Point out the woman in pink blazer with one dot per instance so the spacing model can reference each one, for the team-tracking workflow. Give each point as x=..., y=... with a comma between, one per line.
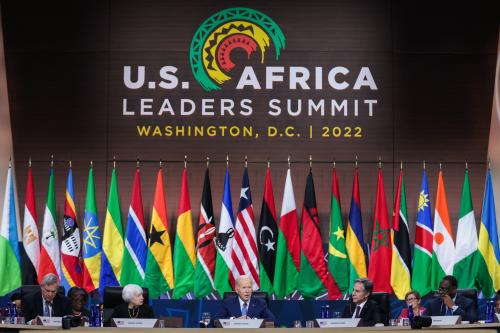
x=412, y=298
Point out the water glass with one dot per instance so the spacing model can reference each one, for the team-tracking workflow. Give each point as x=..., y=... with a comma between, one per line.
x=161, y=323
x=297, y=324
x=205, y=318
x=406, y=322
x=336, y=315
x=393, y=322
x=310, y=323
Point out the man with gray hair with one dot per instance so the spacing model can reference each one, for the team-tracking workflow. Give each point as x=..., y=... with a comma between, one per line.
x=46, y=301
x=360, y=306
x=244, y=306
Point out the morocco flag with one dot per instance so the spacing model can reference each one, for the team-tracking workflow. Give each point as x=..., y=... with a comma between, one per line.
x=379, y=270
x=314, y=278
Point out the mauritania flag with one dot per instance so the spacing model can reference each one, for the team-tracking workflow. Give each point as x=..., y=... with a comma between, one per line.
x=286, y=272
x=71, y=270
x=267, y=237
x=489, y=259
x=354, y=236
x=338, y=263
x=401, y=253
x=136, y=248
x=205, y=248
x=159, y=269
x=92, y=247
x=10, y=258
x=443, y=249
x=466, y=260
x=422, y=254
x=30, y=252
x=224, y=242
x=112, y=240
x=184, y=249
x=314, y=277
x=50, y=258
x=245, y=255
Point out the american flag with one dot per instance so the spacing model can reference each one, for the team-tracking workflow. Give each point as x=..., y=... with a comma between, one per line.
x=245, y=255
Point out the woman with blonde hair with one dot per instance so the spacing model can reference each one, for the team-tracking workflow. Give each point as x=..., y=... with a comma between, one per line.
x=412, y=299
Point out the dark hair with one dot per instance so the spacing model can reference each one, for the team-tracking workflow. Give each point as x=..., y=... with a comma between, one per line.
x=15, y=297
x=413, y=292
x=453, y=280
x=367, y=284
x=497, y=295
x=78, y=291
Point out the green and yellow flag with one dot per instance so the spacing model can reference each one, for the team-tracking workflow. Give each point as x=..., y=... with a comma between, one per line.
x=184, y=250
x=159, y=271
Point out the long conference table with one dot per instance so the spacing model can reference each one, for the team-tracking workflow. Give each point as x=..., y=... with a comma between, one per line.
x=472, y=328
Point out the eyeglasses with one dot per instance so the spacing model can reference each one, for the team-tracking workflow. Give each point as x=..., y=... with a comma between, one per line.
x=409, y=299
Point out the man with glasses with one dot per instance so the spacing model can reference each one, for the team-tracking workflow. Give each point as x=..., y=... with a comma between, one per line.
x=450, y=304
x=46, y=302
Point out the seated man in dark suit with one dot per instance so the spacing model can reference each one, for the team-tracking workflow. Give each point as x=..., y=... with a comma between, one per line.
x=361, y=306
x=244, y=306
x=451, y=304
x=46, y=302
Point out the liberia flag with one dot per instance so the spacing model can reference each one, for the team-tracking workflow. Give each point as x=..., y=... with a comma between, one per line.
x=245, y=255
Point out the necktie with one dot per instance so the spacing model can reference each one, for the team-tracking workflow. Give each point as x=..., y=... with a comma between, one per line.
x=244, y=309
x=46, y=309
x=358, y=310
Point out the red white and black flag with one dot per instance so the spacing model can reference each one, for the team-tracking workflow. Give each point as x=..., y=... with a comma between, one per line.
x=205, y=247
x=267, y=237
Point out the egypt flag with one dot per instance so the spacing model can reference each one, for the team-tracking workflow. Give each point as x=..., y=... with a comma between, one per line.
x=30, y=251
x=245, y=255
x=443, y=248
x=268, y=237
x=422, y=254
x=92, y=246
x=159, y=269
x=354, y=241
x=50, y=258
x=205, y=248
x=314, y=279
x=184, y=250
x=71, y=270
x=401, y=253
x=136, y=248
x=379, y=270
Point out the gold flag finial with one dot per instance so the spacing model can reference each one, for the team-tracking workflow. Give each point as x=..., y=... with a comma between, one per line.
x=185, y=161
x=208, y=161
x=114, y=161
x=29, y=161
x=288, y=161
x=52, y=161
x=380, y=162
x=227, y=160
x=356, y=161
x=246, y=161
x=310, y=161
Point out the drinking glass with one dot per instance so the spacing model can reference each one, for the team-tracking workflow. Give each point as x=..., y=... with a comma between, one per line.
x=297, y=324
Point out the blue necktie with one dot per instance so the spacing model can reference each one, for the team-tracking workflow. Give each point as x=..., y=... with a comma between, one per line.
x=244, y=309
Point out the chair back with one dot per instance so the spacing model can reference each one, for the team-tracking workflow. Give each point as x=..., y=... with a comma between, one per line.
x=382, y=299
x=258, y=294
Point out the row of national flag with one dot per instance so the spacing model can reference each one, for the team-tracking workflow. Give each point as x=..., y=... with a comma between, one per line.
x=284, y=256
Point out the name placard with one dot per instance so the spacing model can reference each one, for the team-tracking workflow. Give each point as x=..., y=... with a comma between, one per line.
x=445, y=320
x=338, y=322
x=241, y=323
x=135, y=322
x=49, y=321
x=497, y=317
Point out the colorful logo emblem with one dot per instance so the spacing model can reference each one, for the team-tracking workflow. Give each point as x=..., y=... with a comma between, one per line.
x=219, y=35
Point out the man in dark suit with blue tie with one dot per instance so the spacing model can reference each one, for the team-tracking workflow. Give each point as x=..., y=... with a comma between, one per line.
x=450, y=304
x=244, y=306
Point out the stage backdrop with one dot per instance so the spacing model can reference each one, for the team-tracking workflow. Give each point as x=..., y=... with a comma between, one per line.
x=90, y=80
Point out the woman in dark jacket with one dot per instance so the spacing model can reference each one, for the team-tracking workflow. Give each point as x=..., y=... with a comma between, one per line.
x=134, y=306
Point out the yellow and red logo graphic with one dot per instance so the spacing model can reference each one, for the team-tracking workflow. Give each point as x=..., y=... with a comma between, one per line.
x=225, y=31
